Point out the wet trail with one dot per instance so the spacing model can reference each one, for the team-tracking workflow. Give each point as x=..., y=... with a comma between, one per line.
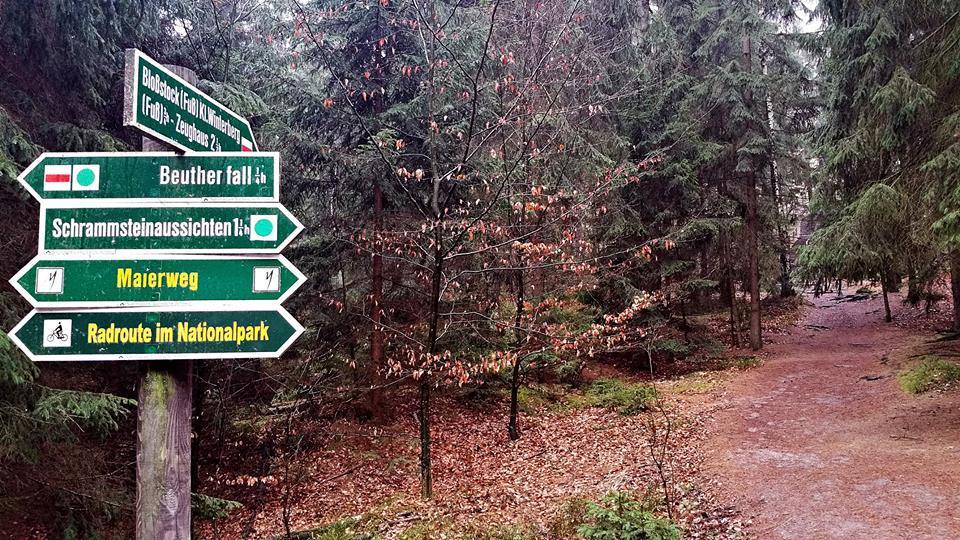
x=820, y=442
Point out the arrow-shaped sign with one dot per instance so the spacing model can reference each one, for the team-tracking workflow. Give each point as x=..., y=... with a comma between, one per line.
x=149, y=333
x=140, y=176
x=80, y=280
x=185, y=228
x=176, y=112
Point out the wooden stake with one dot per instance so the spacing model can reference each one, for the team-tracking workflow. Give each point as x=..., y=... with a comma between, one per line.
x=164, y=409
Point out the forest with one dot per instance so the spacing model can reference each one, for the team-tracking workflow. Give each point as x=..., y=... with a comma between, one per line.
x=546, y=242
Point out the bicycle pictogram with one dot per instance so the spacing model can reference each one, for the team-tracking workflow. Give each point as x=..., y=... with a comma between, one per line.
x=58, y=334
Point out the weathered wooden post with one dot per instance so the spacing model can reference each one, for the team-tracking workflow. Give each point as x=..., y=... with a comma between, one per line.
x=164, y=409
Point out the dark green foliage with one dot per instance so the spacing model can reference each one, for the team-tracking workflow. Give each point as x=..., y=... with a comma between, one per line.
x=620, y=517
x=626, y=398
x=207, y=507
x=886, y=198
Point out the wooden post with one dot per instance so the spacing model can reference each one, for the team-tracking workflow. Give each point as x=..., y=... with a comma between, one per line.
x=164, y=409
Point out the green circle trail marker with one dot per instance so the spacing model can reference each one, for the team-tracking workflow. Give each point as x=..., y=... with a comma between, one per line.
x=86, y=177
x=263, y=227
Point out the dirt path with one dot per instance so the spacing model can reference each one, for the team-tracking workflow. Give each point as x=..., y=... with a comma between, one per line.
x=810, y=448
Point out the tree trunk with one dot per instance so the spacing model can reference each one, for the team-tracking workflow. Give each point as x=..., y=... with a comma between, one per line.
x=753, y=263
x=375, y=397
x=914, y=287
x=955, y=286
x=886, y=301
x=513, y=428
x=729, y=292
x=786, y=287
x=423, y=414
x=752, y=209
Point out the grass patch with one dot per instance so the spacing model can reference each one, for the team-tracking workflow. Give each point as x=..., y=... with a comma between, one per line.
x=746, y=362
x=442, y=530
x=626, y=397
x=697, y=384
x=931, y=373
x=538, y=397
x=338, y=530
x=498, y=532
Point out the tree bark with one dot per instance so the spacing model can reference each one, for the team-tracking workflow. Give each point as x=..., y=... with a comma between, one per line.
x=729, y=292
x=886, y=301
x=423, y=414
x=955, y=286
x=752, y=209
x=884, y=287
x=786, y=286
x=753, y=263
x=513, y=428
x=375, y=397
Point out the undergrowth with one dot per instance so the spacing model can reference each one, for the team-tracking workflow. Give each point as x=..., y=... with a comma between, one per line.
x=621, y=517
x=626, y=397
x=931, y=373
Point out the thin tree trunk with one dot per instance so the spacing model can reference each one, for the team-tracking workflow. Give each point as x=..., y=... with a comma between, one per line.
x=955, y=286
x=753, y=263
x=752, y=209
x=914, y=287
x=886, y=301
x=423, y=414
x=513, y=428
x=786, y=287
x=375, y=397
x=730, y=291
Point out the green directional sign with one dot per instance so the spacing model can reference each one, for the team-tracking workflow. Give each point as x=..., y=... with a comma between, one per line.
x=185, y=228
x=174, y=111
x=137, y=176
x=156, y=333
x=76, y=280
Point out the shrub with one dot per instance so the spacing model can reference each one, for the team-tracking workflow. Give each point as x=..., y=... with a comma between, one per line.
x=207, y=507
x=672, y=347
x=929, y=374
x=570, y=372
x=536, y=397
x=620, y=517
x=627, y=398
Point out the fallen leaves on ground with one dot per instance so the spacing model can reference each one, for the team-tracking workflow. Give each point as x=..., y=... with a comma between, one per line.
x=481, y=478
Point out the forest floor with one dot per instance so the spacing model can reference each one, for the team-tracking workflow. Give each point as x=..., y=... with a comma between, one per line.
x=820, y=442
x=813, y=438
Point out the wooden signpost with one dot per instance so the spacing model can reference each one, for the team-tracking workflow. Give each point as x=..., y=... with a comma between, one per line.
x=133, y=265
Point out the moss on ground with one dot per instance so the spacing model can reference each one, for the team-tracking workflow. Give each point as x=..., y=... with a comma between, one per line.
x=625, y=397
x=932, y=373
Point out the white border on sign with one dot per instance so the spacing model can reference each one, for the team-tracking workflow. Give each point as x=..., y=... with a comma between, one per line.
x=151, y=203
x=131, y=96
x=22, y=178
x=52, y=303
x=240, y=306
